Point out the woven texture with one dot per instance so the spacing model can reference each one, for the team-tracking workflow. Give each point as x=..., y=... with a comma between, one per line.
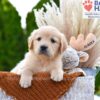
x=43, y=88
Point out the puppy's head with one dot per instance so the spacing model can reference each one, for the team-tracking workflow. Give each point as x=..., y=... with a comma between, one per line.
x=47, y=41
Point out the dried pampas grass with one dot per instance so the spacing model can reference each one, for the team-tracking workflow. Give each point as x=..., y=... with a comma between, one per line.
x=69, y=20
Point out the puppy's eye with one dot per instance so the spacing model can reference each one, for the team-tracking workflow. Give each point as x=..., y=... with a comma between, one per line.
x=39, y=38
x=53, y=41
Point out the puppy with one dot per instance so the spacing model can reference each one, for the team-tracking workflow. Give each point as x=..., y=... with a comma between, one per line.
x=46, y=46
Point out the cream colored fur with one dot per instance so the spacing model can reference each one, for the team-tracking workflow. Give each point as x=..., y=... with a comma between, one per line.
x=49, y=61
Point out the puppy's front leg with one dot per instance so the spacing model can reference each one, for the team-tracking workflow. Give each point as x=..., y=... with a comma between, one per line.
x=26, y=78
x=57, y=75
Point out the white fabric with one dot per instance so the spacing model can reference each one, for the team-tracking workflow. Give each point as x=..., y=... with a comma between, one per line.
x=4, y=96
x=82, y=89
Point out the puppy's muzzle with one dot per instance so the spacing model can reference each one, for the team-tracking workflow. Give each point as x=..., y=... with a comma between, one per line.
x=44, y=50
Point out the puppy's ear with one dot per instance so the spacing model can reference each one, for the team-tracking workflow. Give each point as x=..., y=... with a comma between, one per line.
x=83, y=56
x=63, y=45
x=31, y=40
x=30, y=43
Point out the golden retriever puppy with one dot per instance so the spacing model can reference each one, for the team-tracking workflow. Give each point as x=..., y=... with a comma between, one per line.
x=46, y=46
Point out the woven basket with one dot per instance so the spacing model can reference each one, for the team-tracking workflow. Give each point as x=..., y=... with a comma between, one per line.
x=43, y=88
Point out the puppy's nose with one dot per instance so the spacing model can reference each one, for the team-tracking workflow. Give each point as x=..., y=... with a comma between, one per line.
x=43, y=48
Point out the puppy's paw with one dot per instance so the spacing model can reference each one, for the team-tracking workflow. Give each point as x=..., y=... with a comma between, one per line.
x=57, y=75
x=25, y=82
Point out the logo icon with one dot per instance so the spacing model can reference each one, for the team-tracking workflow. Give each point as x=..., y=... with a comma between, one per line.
x=88, y=5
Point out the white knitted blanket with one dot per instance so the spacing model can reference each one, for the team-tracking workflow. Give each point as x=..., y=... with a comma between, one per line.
x=83, y=88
